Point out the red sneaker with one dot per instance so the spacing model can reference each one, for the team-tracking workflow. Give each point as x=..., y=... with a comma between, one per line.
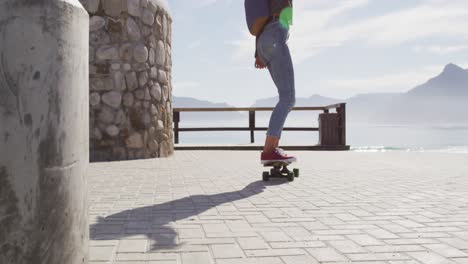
x=277, y=155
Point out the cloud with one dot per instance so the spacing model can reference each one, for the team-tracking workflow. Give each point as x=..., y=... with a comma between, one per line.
x=440, y=50
x=321, y=25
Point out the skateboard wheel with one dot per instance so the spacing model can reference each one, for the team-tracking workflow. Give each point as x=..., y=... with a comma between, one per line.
x=290, y=177
x=266, y=176
x=296, y=172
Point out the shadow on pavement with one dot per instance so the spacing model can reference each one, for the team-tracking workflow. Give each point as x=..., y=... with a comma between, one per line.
x=155, y=221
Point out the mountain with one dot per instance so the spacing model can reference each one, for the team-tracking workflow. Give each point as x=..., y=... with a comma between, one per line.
x=441, y=100
x=453, y=81
x=189, y=102
x=314, y=100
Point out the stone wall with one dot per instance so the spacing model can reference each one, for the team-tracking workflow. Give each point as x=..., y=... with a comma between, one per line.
x=130, y=79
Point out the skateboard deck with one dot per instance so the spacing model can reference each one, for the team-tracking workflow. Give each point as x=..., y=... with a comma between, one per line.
x=280, y=170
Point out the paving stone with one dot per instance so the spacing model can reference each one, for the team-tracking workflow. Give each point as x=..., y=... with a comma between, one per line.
x=275, y=236
x=299, y=260
x=252, y=243
x=297, y=244
x=397, y=248
x=377, y=256
x=326, y=254
x=274, y=252
x=365, y=240
x=101, y=253
x=263, y=260
x=130, y=245
x=226, y=251
x=197, y=258
x=346, y=246
x=446, y=251
x=430, y=258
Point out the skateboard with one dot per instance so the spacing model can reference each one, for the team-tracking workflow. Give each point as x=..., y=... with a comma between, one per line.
x=280, y=170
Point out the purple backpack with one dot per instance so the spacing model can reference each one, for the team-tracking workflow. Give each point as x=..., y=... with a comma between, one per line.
x=257, y=13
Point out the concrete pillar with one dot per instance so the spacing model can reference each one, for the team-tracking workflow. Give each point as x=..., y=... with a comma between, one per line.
x=44, y=131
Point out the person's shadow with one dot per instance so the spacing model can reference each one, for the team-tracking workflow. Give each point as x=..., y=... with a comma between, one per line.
x=155, y=221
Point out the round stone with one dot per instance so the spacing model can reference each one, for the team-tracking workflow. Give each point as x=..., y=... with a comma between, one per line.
x=153, y=6
x=112, y=7
x=96, y=23
x=148, y=17
x=155, y=92
x=160, y=53
x=140, y=94
x=94, y=99
x=165, y=91
x=106, y=115
x=112, y=98
x=153, y=73
x=133, y=30
x=119, y=81
x=146, y=31
x=133, y=7
x=92, y=6
x=153, y=145
x=115, y=66
x=128, y=99
x=164, y=27
x=160, y=125
x=127, y=67
x=107, y=53
x=147, y=95
x=120, y=117
x=162, y=77
x=154, y=110
x=151, y=57
x=164, y=149
x=131, y=79
x=142, y=78
x=96, y=134
x=146, y=119
x=135, y=140
x=112, y=130
x=140, y=53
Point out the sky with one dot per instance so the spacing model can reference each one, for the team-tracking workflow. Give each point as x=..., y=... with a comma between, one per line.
x=340, y=48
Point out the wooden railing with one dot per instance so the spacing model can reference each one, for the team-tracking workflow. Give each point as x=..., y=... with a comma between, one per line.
x=338, y=126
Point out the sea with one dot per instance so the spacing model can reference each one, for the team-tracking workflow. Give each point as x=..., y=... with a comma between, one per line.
x=362, y=137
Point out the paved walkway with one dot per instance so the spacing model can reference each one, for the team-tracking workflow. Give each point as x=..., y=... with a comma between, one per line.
x=212, y=207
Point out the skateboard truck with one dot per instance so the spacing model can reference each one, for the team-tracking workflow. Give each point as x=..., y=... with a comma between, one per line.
x=280, y=170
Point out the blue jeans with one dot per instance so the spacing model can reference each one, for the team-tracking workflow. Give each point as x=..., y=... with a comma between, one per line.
x=274, y=52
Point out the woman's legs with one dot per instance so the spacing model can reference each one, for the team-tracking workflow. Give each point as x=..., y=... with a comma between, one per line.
x=275, y=52
x=282, y=73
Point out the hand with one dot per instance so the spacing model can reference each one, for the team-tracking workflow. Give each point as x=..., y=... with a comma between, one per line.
x=259, y=63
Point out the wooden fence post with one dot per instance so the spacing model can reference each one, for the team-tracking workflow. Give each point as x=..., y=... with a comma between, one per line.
x=252, y=126
x=342, y=123
x=176, y=126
